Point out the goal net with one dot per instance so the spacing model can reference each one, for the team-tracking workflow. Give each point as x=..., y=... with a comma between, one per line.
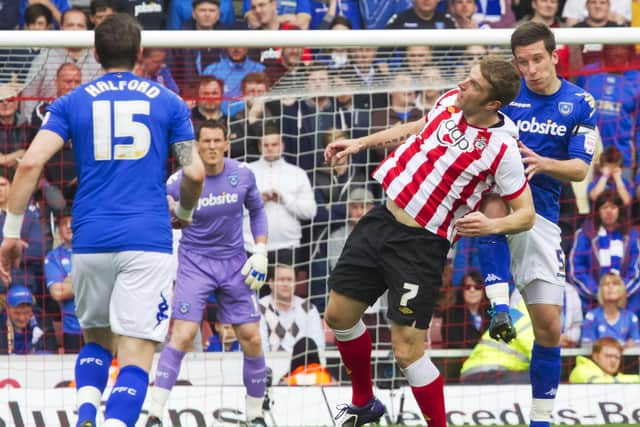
x=309, y=88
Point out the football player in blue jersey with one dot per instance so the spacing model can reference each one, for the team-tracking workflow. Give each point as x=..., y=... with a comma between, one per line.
x=122, y=128
x=557, y=126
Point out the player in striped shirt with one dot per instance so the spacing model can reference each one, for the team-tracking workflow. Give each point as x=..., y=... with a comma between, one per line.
x=434, y=181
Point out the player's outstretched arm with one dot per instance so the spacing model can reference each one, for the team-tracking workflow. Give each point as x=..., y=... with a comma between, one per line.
x=191, y=185
x=44, y=146
x=388, y=138
x=565, y=170
x=521, y=218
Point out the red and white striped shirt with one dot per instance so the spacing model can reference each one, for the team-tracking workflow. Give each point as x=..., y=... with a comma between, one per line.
x=441, y=174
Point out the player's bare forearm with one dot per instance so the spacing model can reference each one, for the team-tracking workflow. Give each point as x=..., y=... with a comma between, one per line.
x=522, y=216
x=192, y=173
x=567, y=170
x=392, y=137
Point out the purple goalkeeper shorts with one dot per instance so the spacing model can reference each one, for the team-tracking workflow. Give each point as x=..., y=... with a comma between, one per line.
x=198, y=276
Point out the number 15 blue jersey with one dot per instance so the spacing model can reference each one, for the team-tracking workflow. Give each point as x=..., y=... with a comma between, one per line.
x=121, y=127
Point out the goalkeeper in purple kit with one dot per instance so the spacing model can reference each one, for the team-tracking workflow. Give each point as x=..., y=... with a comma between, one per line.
x=211, y=258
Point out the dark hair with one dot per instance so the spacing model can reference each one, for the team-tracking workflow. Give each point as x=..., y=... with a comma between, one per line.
x=503, y=78
x=611, y=155
x=611, y=196
x=7, y=172
x=530, y=33
x=341, y=20
x=270, y=129
x=305, y=352
x=206, y=79
x=71, y=10
x=194, y=3
x=117, y=41
x=99, y=5
x=211, y=124
x=35, y=11
x=147, y=51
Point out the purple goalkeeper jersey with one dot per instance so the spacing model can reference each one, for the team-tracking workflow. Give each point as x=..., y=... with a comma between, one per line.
x=216, y=231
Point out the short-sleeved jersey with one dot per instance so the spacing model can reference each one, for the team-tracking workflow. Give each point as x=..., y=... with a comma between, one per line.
x=560, y=126
x=440, y=174
x=121, y=127
x=216, y=231
x=597, y=326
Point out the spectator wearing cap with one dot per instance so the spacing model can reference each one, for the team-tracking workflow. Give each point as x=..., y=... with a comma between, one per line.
x=326, y=253
x=182, y=13
x=22, y=329
x=57, y=268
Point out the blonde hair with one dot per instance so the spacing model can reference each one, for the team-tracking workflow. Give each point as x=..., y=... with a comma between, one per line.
x=616, y=279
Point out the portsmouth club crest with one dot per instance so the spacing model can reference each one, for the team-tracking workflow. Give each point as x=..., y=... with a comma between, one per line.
x=565, y=108
x=233, y=180
x=184, y=307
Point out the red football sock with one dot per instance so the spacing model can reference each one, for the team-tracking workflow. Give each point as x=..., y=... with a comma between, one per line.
x=430, y=399
x=356, y=356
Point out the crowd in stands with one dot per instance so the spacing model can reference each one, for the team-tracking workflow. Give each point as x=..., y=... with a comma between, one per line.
x=312, y=207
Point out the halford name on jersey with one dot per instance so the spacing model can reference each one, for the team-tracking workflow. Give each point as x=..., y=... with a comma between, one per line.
x=95, y=89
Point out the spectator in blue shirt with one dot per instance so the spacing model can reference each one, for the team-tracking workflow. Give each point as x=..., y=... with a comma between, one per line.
x=183, y=11
x=323, y=13
x=22, y=329
x=231, y=69
x=57, y=267
x=377, y=13
x=606, y=244
x=611, y=318
x=223, y=338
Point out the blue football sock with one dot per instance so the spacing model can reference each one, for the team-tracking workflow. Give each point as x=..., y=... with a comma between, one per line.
x=545, y=377
x=127, y=395
x=495, y=261
x=92, y=374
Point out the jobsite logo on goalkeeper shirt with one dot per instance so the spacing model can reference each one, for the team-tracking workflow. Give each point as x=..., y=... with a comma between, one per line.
x=213, y=200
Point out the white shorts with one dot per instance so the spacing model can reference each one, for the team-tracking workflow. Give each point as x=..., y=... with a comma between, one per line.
x=538, y=264
x=129, y=291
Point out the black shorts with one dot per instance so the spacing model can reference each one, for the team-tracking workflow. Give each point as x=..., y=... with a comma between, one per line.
x=382, y=254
